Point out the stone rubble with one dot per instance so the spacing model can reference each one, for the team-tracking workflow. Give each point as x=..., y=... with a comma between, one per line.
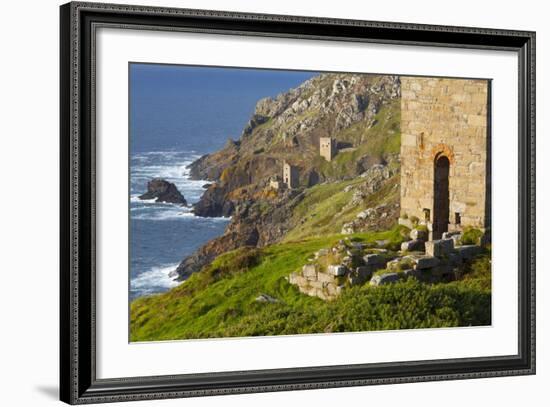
x=354, y=263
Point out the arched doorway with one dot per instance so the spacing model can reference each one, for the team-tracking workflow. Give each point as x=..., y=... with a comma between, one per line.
x=441, y=196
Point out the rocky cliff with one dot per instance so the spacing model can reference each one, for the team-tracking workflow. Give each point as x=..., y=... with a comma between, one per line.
x=361, y=112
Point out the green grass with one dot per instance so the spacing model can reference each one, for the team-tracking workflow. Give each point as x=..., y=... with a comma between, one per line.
x=220, y=300
x=378, y=141
x=323, y=209
x=320, y=211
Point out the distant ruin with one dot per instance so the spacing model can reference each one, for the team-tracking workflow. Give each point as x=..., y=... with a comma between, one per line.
x=327, y=148
x=274, y=183
x=290, y=176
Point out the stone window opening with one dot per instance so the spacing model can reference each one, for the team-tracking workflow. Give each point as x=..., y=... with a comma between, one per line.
x=421, y=141
x=426, y=212
x=457, y=218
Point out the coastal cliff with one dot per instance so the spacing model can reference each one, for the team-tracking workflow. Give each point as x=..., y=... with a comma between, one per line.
x=315, y=241
x=359, y=112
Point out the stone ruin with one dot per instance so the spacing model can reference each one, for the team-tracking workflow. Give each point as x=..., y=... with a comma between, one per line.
x=327, y=148
x=445, y=153
x=291, y=176
x=350, y=263
x=289, y=180
x=445, y=188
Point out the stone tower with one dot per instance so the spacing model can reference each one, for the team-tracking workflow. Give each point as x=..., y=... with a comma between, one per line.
x=445, y=153
x=290, y=176
x=327, y=148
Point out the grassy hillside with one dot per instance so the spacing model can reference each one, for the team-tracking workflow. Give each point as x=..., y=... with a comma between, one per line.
x=377, y=142
x=323, y=209
x=220, y=300
x=360, y=112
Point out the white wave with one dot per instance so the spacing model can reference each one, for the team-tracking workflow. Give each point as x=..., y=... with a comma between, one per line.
x=168, y=165
x=177, y=173
x=164, y=153
x=163, y=215
x=157, y=206
x=136, y=199
x=152, y=203
x=157, y=277
x=174, y=213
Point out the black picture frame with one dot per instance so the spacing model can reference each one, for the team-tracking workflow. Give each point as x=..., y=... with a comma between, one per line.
x=78, y=382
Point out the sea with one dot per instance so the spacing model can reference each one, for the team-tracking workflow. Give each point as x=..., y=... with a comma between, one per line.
x=177, y=114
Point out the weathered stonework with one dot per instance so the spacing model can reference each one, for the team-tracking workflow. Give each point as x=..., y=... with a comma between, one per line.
x=327, y=277
x=274, y=184
x=291, y=176
x=327, y=148
x=445, y=151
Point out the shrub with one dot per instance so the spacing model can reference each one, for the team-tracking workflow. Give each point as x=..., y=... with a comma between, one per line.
x=234, y=262
x=471, y=235
x=478, y=272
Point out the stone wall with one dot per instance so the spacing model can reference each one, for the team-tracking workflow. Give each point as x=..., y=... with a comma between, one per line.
x=291, y=176
x=446, y=117
x=327, y=148
x=349, y=263
x=328, y=282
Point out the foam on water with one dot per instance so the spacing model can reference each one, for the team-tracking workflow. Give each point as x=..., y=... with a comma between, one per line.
x=169, y=165
x=155, y=242
x=154, y=280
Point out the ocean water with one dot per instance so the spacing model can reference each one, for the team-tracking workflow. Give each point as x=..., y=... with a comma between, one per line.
x=177, y=114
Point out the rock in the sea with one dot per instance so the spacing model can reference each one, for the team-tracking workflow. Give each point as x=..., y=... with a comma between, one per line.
x=163, y=191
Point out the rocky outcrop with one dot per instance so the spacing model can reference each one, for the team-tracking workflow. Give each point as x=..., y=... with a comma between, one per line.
x=163, y=191
x=253, y=223
x=213, y=203
x=230, y=240
x=289, y=126
x=288, y=129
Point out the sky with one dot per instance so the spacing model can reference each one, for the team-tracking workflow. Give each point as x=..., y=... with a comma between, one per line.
x=197, y=108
